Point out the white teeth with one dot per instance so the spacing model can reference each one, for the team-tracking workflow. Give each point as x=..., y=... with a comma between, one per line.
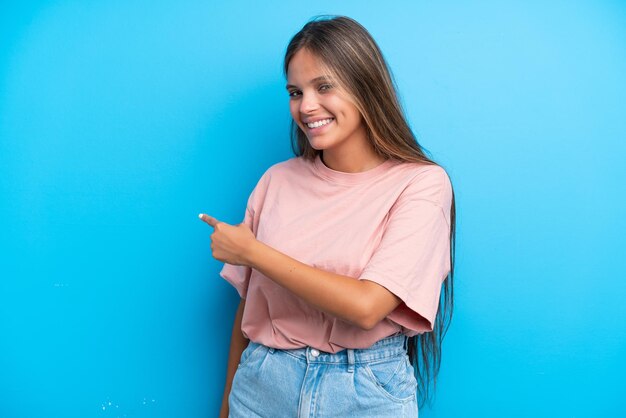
x=319, y=123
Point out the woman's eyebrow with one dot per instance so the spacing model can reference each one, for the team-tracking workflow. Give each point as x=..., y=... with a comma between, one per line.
x=315, y=80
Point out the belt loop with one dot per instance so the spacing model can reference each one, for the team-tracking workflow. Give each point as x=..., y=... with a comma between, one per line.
x=350, y=360
x=406, y=342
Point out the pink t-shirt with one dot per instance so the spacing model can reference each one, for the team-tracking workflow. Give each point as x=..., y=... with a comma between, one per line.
x=389, y=224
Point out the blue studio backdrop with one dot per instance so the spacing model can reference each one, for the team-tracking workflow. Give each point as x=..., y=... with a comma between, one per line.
x=120, y=121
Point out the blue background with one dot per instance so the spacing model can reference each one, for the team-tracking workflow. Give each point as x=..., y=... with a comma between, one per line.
x=120, y=121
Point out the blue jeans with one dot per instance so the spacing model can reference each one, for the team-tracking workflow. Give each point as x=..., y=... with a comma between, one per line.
x=307, y=383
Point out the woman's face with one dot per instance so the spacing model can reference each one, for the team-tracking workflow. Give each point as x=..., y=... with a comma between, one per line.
x=327, y=118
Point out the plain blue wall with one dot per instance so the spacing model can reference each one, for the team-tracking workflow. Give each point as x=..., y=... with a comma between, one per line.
x=120, y=121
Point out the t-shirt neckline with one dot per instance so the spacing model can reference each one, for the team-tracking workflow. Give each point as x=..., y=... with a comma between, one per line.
x=350, y=178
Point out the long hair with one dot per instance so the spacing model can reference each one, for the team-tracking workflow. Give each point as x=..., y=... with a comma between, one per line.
x=351, y=57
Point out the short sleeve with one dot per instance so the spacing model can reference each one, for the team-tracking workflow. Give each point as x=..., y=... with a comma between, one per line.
x=239, y=276
x=413, y=257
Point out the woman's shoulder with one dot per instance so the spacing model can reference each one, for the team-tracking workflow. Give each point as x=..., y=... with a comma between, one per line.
x=427, y=182
x=423, y=172
x=288, y=167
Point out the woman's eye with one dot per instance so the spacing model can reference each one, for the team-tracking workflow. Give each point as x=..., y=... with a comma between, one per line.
x=292, y=93
x=328, y=86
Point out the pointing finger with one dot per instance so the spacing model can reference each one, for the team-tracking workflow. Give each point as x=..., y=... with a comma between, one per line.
x=208, y=219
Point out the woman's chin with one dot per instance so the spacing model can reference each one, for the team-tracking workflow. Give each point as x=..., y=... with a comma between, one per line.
x=317, y=145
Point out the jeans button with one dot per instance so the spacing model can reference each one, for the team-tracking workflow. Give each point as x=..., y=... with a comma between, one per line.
x=314, y=352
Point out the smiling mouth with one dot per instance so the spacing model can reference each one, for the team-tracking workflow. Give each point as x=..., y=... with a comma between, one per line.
x=319, y=123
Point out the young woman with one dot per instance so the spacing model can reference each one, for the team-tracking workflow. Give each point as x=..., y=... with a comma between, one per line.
x=344, y=249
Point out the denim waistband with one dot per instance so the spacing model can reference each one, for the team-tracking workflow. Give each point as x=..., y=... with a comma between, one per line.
x=391, y=346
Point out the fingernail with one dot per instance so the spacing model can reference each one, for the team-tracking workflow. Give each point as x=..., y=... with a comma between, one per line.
x=200, y=216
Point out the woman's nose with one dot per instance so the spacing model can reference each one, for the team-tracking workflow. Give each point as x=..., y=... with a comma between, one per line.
x=308, y=103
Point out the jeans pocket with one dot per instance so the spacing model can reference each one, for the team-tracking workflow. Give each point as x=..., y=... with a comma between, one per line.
x=248, y=353
x=393, y=377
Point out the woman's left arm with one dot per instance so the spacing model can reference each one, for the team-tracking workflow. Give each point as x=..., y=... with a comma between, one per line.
x=363, y=303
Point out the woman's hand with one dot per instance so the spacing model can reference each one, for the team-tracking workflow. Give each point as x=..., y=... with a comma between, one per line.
x=229, y=243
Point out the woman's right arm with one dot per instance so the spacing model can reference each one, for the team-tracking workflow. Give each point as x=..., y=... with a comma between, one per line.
x=238, y=343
